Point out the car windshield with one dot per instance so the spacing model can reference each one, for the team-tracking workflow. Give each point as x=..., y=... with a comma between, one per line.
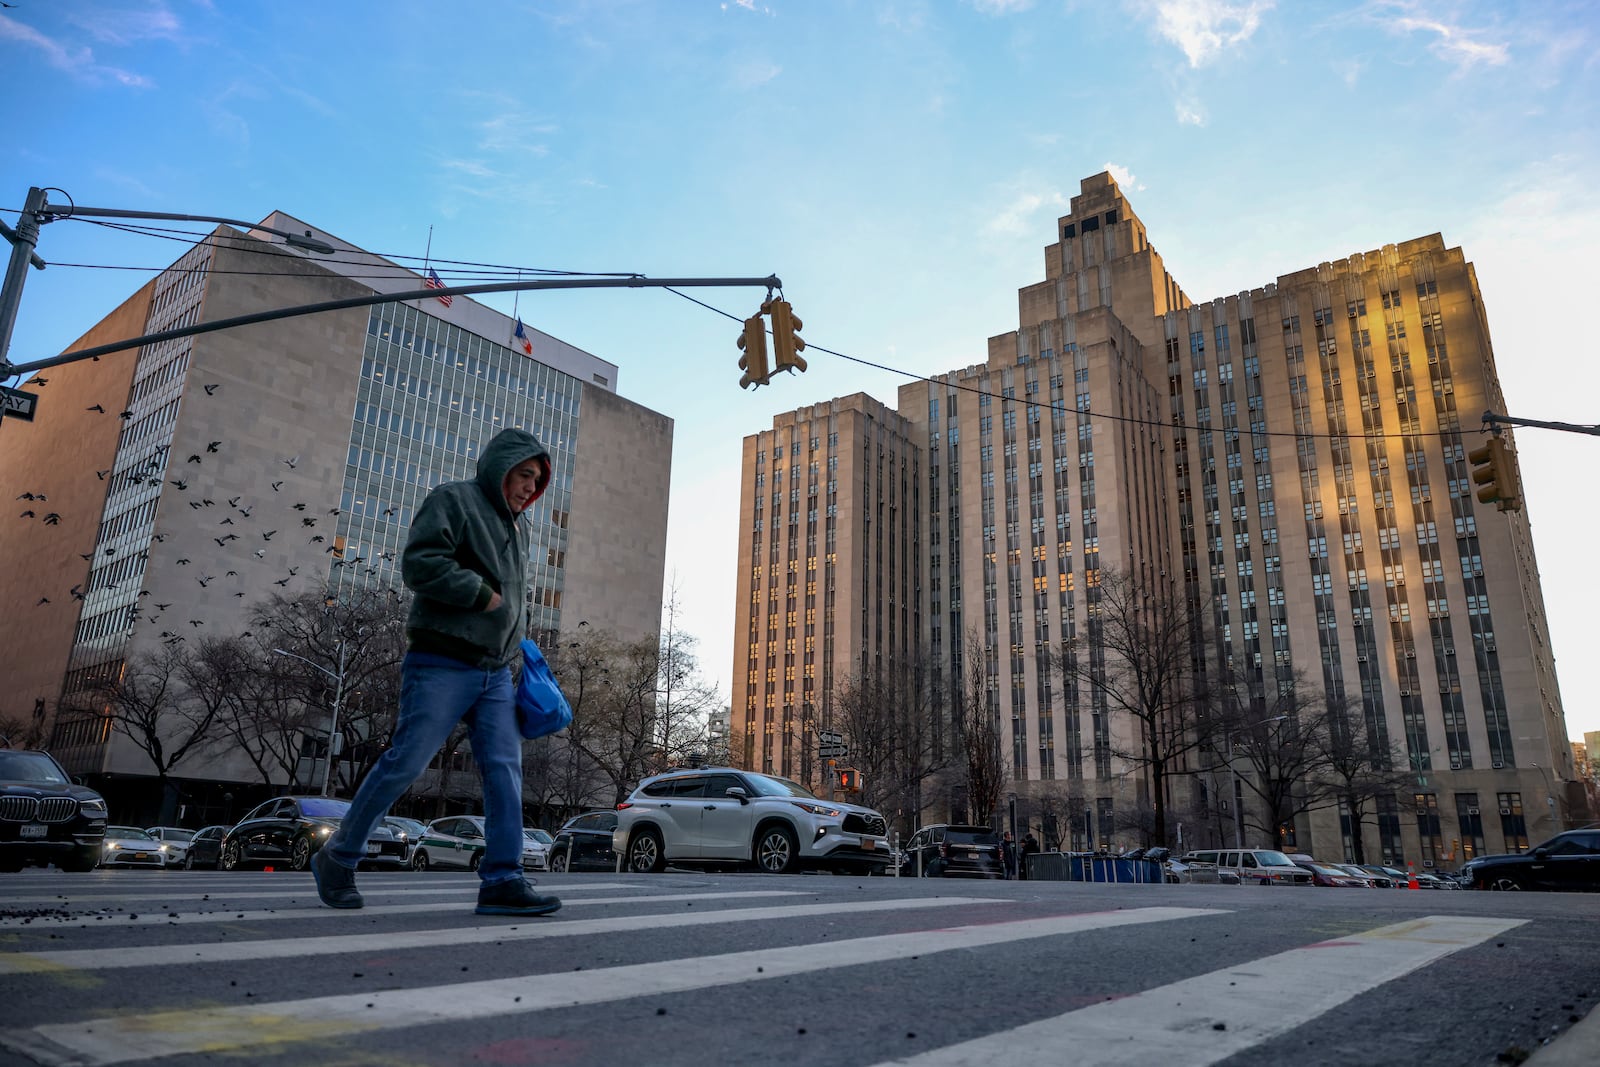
x=1273, y=859
x=971, y=836
x=29, y=767
x=541, y=836
x=129, y=831
x=173, y=834
x=766, y=785
x=323, y=808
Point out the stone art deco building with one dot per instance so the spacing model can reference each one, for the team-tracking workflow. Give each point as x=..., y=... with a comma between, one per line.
x=1294, y=455
x=309, y=439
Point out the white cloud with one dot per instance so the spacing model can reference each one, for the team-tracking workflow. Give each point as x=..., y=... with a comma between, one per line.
x=512, y=132
x=1016, y=218
x=754, y=73
x=1204, y=28
x=1126, y=180
x=471, y=167
x=120, y=26
x=78, y=62
x=1455, y=45
x=1190, y=112
x=1001, y=7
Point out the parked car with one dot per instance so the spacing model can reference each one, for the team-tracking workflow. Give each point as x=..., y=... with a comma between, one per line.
x=1252, y=866
x=408, y=830
x=540, y=840
x=205, y=848
x=45, y=817
x=457, y=841
x=943, y=850
x=717, y=816
x=1368, y=879
x=1397, y=878
x=1429, y=880
x=1568, y=863
x=584, y=843
x=177, y=841
x=1328, y=875
x=130, y=846
x=289, y=830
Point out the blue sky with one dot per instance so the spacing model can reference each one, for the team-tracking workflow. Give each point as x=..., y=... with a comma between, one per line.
x=899, y=164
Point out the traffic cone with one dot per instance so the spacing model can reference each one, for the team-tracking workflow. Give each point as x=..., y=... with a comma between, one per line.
x=1411, y=878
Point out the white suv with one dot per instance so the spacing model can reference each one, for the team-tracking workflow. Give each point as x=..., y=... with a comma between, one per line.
x=712, y=816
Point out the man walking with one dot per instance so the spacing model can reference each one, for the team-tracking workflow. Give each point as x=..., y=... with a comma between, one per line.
x=466, y=561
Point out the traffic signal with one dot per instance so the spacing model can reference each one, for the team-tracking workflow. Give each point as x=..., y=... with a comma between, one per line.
x=786, y=340
x=849, y=780
x=1492, y=468
x=753, y=343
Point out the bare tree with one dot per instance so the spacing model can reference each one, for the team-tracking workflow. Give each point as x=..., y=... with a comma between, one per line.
x=150, y=705
x=1280, y=737
x=611, y=686
x=19, y=730
x=1143, y=637
x=1357, y=771
x=266, y=717
x=980, y=736
x=889, y=720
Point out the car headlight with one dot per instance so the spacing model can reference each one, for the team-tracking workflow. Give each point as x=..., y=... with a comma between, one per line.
x=817, y=809
x=161, y=848
x=324, y=831
x=96, y=806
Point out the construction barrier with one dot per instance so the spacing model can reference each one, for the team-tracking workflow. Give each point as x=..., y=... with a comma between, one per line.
x=1074, y=867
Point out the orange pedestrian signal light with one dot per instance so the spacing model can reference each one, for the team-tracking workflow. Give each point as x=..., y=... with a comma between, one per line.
x=850, y=780
x=753, y=343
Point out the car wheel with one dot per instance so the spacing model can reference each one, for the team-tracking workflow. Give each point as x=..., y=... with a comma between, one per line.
x=645, y=852
x=777, y=851
x=558, y=863
x=81, y=860
x=232, y=856
x=1505, y=883
x=419, y=860
x=188, y=862
x=300, y=854
x=472, y=864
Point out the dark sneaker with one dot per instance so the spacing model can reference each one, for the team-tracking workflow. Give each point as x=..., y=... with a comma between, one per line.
x=336, y=883
x=515, y=897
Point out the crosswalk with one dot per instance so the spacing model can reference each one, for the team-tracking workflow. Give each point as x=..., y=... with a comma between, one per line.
x=798, y=931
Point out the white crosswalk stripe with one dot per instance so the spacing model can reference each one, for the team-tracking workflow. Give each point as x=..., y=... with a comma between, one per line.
x=126, y=1039
x=1199, y=1020
x=532, y=929
x=1178, y=1023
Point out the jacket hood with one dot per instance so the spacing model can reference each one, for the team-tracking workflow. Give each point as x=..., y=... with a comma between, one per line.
x=504, y=451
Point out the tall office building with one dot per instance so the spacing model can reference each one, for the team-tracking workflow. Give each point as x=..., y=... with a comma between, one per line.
x=190, y=479
x=1293, y=458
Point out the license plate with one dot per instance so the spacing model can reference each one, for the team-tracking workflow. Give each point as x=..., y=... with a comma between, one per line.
x=373, y=850
x=35, y=829
x=141, y=855
x=868, y=844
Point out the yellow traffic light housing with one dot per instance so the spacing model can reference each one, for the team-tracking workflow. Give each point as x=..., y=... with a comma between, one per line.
x=1495, y=471
x=849, y=780
x=786, y=340
x=753, y=343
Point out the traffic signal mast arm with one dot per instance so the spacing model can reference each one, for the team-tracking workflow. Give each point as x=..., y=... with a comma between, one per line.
x=1493, y=421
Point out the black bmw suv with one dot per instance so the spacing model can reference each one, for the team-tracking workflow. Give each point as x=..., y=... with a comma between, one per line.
x=46, y=818
x=1568, y=862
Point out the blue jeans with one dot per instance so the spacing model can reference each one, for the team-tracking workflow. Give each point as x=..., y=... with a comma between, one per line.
x=436, y=692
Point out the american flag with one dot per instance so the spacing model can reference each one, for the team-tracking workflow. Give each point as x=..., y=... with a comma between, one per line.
x=432, y=282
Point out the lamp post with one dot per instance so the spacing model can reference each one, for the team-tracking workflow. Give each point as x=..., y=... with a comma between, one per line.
x=338, y=696
x=1238, y=793
x=37, y=210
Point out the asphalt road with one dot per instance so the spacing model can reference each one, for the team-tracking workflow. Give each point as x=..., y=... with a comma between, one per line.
x=247, y=968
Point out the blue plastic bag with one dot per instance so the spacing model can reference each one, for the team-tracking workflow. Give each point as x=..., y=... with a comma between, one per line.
x=541, y=707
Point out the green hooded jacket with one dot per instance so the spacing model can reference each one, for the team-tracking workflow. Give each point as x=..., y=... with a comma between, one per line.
x=465, y=545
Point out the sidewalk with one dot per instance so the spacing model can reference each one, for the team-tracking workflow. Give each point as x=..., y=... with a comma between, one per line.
x=1578, y=1046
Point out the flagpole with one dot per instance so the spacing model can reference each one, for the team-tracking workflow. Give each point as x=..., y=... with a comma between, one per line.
x=427, y=253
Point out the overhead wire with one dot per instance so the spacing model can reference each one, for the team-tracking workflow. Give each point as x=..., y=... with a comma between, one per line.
x=493, y=270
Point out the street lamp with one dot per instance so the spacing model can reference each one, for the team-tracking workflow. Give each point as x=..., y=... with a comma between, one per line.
x=338, y=695
x=37, y=211
x=1238, y=794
